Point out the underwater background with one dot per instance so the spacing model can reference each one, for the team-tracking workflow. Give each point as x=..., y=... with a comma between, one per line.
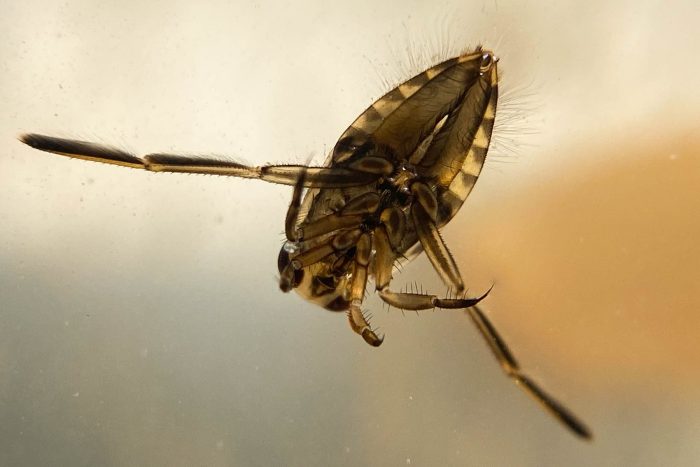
x=140, y=318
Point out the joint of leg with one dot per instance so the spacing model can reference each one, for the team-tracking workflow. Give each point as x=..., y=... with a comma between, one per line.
x=291, y=247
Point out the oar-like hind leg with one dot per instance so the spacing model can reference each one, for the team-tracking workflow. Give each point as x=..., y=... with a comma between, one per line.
x=314, y=177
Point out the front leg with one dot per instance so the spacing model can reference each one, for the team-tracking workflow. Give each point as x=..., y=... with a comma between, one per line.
x=358, y=284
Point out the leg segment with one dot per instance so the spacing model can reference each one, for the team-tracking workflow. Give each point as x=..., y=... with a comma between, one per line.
x=351, y=215
x=500, y=350
x=384, y=257
x=419, y=301
x=327, y=224
x=435, y=248
x=336, y=244
x=394, y=221
x=316, y=177
x=512, y=369
x=290, y=223
x=387, y=238
x=357, y=320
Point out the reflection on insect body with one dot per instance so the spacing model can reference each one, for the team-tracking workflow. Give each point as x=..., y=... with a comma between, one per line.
x=398, y=174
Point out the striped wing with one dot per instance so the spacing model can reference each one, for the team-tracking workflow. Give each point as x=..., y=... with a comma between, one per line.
x=440, y=121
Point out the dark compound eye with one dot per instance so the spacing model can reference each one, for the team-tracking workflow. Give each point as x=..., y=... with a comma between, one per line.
x=282, y=263
x=282, y=260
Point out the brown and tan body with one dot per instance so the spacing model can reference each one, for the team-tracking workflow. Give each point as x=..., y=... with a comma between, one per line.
x=427, y=140
x=400, y=172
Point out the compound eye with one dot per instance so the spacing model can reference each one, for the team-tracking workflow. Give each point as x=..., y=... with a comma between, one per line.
x=282, y=260
x=289, y=278
x=487, y=61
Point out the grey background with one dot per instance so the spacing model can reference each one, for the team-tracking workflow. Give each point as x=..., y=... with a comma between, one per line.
x=140, y=320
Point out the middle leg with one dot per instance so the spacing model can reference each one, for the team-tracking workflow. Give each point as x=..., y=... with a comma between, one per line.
x=500, y=350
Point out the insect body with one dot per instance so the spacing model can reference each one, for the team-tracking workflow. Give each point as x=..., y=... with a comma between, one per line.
x=400, y=172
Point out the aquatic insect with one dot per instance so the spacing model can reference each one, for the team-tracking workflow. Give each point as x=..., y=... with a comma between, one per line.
x=398, y=174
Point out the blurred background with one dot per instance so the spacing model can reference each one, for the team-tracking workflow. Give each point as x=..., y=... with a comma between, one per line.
x=140, y=319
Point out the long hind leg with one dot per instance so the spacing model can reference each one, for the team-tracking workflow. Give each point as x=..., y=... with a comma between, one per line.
x=316, y=177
